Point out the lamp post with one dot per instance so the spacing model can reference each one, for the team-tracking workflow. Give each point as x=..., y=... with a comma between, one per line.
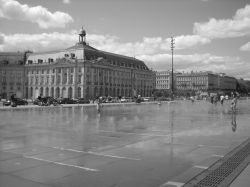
x=82, y=41
x=172, y=49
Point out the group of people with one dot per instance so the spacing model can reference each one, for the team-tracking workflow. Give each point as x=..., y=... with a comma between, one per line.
x=221, y=98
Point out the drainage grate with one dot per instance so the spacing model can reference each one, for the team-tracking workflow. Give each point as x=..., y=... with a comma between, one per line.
x=224, y=171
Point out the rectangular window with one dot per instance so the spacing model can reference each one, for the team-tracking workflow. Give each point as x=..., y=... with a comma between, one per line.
x=50, y=60
x=40, y=61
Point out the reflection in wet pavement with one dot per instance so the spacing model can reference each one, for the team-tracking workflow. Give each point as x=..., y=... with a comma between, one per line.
x=124, y=145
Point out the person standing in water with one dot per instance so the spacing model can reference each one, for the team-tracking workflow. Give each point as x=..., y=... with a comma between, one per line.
x=234, y=103
x=99, y=103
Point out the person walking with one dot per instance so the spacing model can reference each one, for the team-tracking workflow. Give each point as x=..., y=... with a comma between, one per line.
x=99, y=104
x=222, y=99
x=234, y=103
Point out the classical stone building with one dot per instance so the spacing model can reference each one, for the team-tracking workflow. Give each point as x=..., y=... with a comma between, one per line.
x=82, y=71
x=204, y=82
x=12, y=74
x=164, y=80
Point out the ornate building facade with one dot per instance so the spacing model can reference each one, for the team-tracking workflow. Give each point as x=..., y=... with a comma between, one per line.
x=82, y=71
x=164, y=80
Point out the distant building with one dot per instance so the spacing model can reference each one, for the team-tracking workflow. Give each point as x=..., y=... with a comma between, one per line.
x=12, y=74
x=164, y=80
x=198, y=82
x=82, y=71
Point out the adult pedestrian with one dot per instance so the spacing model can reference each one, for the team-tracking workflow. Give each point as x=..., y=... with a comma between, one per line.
x=222, y=99
x=234, y=103
x=99, y=104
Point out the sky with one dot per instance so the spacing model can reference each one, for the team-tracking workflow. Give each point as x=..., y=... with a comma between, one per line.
x=210, y=35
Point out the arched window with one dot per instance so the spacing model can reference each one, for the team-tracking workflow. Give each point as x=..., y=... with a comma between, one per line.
x=79, y=90
x=41, y=91
x=70, y=92
x=64, y=92
x=47, y=91
x=57, y=92
x=31, y=92
x=52, y=92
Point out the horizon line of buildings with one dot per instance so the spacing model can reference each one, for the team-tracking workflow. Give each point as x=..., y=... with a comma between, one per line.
x=190, y=83
x=82, y=71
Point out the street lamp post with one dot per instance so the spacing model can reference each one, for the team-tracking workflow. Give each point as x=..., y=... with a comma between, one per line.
x=82, y=40
x=172, y=49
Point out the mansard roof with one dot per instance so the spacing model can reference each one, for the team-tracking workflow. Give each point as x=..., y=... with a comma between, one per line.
x=80, y=46
x=91, y=51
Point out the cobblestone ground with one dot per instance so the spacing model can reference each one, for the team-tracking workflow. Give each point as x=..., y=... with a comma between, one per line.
x=126, y=145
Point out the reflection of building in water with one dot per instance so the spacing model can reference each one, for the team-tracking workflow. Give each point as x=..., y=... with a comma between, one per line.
x=233, y=122
x=86, y=72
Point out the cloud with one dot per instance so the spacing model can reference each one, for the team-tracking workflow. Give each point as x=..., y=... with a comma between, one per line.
x=233, y=66
x=245, y=47
x=187, y=41
x=11, y=9
x=154, y=51
x=38, y=42
x=148, y=46
x=1, y=39
x=66, y=1
x=238, y=26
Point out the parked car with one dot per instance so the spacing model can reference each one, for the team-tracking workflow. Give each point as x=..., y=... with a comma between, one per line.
x=45, y=101
x=17, y=101
x=66, y=101
x=82, y=101
x=124, y=100
x=7, y=103
x=36, y=102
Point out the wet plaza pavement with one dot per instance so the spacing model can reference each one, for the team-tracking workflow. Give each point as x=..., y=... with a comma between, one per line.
x=127, y=145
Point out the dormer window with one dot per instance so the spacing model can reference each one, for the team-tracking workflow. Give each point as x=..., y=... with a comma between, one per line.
x=40, y=61
x=66, y=55
x=30, y=61
x=50, y=60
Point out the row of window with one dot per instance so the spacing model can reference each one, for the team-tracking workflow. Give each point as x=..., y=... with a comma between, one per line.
x=69, y=80
x=40, y=61
x=11, y=88
x=54, y=70
x=191, y=78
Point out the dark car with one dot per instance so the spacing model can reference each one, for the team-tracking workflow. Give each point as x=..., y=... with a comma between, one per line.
x=17, y=101
x=7, y=103
x=82, y=101
x=45, y=101
x=66, y=101
x=36, y=102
